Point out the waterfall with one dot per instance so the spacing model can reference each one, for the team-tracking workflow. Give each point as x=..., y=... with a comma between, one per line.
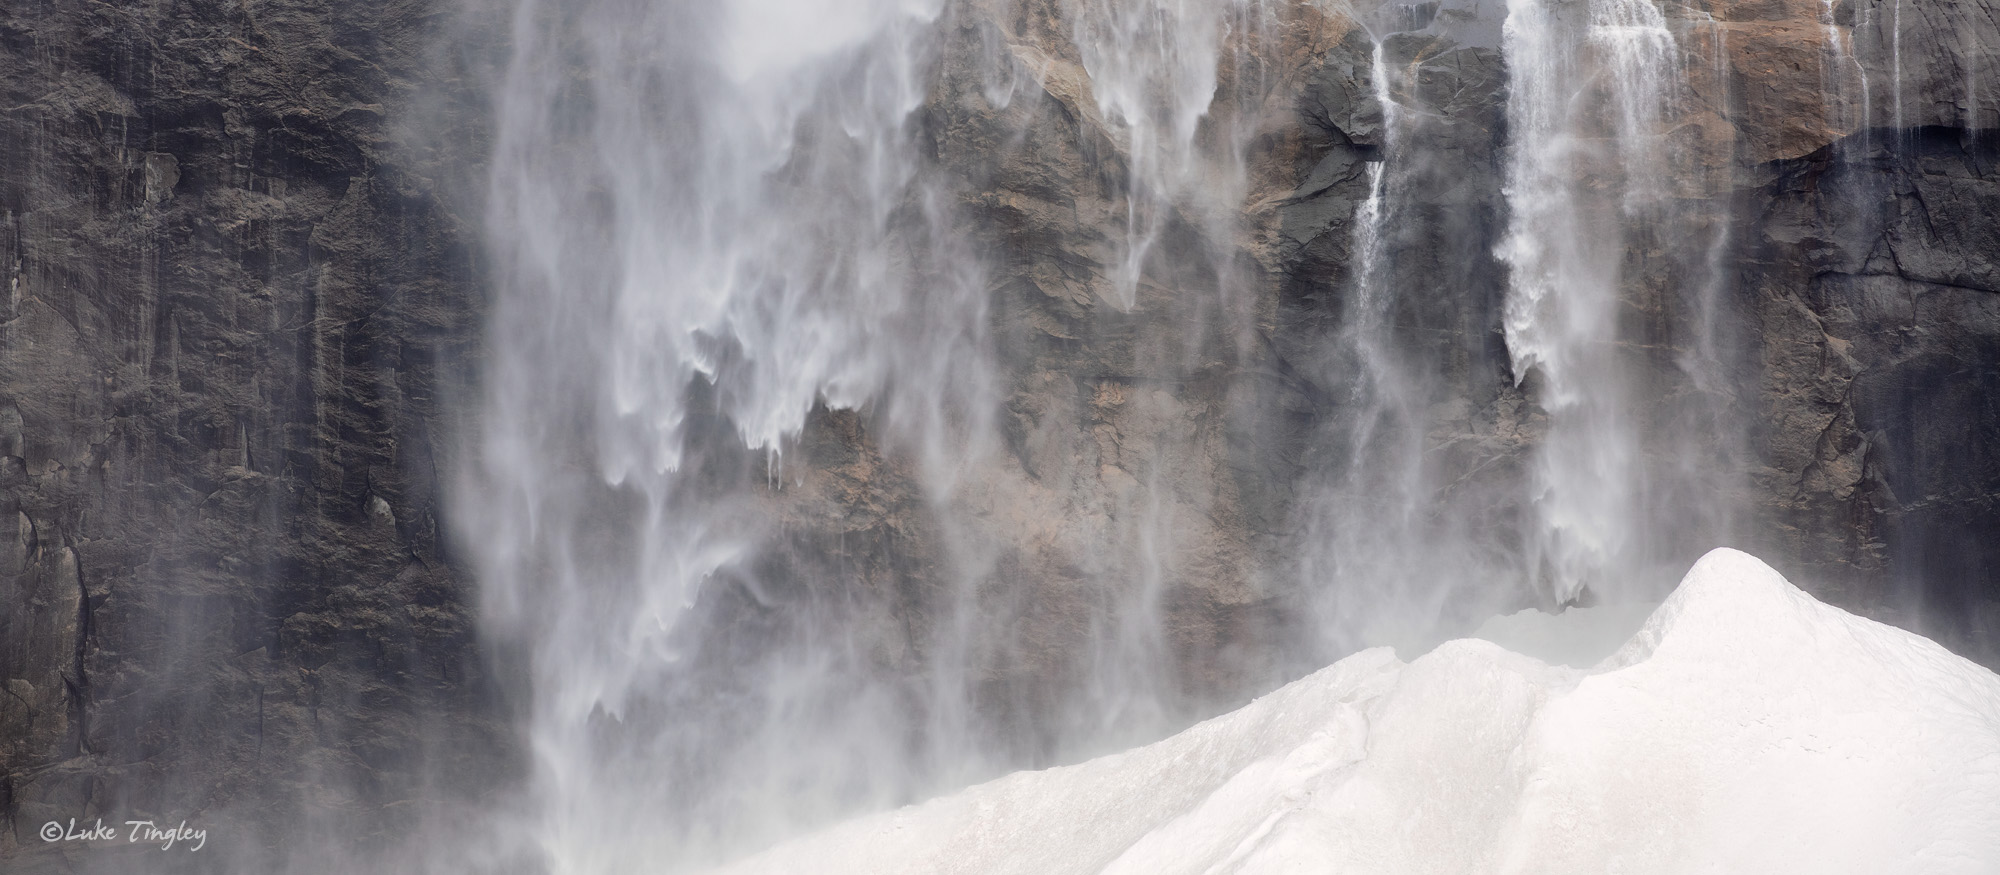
x=715, y=224
x=1896, y=67
x=1843, y=74
x=1152, y=66
x=1590, y=84
x=1175, y=84
x=712, y=218
x=1377, y=503
x=763, y=511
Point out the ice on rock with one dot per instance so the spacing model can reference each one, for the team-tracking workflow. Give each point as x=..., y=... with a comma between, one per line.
x=1746, y=727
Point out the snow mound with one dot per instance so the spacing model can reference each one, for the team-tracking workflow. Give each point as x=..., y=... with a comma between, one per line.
x=1745, y=728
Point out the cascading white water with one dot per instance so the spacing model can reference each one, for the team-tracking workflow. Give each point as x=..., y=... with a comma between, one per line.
x=1372, y=580
x=1589, y=85
x=1155, y=71
x=1152, y=66
x=713, y=218
x=713, y=222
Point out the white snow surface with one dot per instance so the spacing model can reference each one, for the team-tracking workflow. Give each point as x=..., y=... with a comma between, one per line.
x=1746, y=727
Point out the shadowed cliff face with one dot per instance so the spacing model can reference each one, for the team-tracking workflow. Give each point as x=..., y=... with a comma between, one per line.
x=242, y=310
x=233, y=304
x=1872, y=284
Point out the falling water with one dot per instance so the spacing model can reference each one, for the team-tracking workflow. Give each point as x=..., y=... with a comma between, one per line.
x=714, y=220
x=1381, y=558
x=1896, y=66
x=1155, y=69
x=719, y=223
x=1152, y=67
x=1586, y=167
x=1844, y=74
x=742, y=309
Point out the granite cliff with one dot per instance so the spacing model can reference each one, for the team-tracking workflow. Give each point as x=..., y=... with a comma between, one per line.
x=235, y=301
x=242, y=340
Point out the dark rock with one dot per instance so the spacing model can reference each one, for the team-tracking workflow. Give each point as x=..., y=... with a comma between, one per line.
x=236, y=301
x=241, y=292
x=1872, y=280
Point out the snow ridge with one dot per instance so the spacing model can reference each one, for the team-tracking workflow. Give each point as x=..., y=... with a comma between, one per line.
x=1745, y=728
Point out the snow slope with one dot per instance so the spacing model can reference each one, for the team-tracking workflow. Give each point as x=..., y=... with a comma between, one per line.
x=1745, y=728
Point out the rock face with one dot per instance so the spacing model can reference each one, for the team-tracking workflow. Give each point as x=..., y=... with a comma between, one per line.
x=241, y=296
x=1872, y=283
x=233, y=303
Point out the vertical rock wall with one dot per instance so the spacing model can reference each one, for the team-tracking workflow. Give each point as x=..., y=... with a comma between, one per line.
x=238, y=299
x=234, y=301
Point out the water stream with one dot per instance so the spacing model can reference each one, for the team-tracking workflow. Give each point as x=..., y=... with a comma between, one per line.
x=1583, y=167
x=714, y=219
